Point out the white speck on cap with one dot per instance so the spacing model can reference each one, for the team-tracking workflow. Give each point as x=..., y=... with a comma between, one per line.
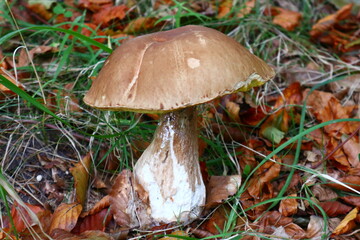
x=193, y=63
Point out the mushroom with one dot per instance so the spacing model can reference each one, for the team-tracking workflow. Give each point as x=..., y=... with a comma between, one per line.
x=169, y=73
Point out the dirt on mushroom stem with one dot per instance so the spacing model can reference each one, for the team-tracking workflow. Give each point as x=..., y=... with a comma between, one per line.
x=169, y=169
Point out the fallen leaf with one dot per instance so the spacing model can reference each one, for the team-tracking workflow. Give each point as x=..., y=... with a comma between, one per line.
x=217, y=220
x=23, y=218
x=352, y=181
x=352, y=150
x=352, y=200
x=65, y=217
x=60, y=234
x=94, y=5
x=107, y=16
x=41, y=10
x=220, y=188
x=315, y=228
x=25, y=58
x=287, y=19
x=81, y=172
x=323, y=193
x=288, y=206
x=224, y=8
x=327, y=22
x=334, y=208
x=96, y=221
x=347, y=224
x=4, y=91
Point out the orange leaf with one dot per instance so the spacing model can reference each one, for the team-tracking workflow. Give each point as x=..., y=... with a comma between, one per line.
x=94, y=5
x=249, y=5
x=353, y=200
x=80, y=173
x=110, y=14
x=4, y=91
x=65, y=217
x=97, y=221
x=288, y=206
x=286, y=18
x=217, y=220
x=21, y=215
x=327, y=22
x=220, y=188
x=347, y=224
x=224, y=8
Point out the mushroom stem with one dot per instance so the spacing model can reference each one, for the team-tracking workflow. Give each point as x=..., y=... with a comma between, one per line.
x=169, y=170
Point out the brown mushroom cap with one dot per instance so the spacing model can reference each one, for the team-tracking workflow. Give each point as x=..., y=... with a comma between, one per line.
x=168, y=70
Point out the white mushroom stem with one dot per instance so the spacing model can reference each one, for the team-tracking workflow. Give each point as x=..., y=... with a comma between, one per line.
x=169, y=170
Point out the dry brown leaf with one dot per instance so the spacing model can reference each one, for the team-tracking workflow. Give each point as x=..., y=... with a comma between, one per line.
x=96, y=221
x=60, y=234
x=233, y=110
x=315, y=228
x=22, y=217
x=40, y=9
x=224, y=8
x=334, y=208
x=220, y=188
x=347, y=224
x=352, y=150
x=287, y=19
x=326, y=107
x=63, y=100
x=288, y=206
x=217, y=220
x=24, y=59
x=327, y=22
x=108, y=15
x=323, y=193
x=339, y=155
x=65, y=217
x=352, y=181
x=94, y=5
x=352, y=200
x=81, y=172
x=4, y=91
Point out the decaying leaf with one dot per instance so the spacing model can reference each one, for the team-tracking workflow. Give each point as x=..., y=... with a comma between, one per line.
x=140, y=24
x=108, y=15
x=23, y=218
x=288, y=206
x=65, y=217
x=323, y=193
x=128, y=201
x=4, y=91
x=286, y=18
x=334, y=208
x=220, y=188
x=224, y=8
x=60, y=234
x=96, y=221
x=352, y=200
x=217, y=220
x=347, y=224
x=315, y=228
x=352, y=181
x=81, y=172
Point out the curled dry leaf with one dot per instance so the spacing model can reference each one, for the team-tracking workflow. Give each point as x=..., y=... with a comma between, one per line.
x=286, y=18
x=94, y=5
x=352, y=150
x=97, y=221
x=81, y=172
x=128, y=201
x=224, y=8
x=60, y=234
x=41, y=10
x=108, y=15
x=25, y=58
x=220, y=188
x=315, y=228
x=323, y=193
x=288, y=206
x=23, y=218
x=347, y=224
x=326, y=107
x=217, y=220
x=327, y=22
x=334, y=208
x=352, y=200
x=65, y=217
x=4, y=91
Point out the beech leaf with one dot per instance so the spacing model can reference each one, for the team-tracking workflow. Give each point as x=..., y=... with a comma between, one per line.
x=65, y=217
